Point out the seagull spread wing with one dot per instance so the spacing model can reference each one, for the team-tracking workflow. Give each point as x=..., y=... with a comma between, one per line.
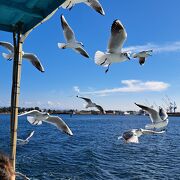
x=118, y=36
x=60, y=124
x=7, y=45
x=30, y=135
x=22, y=141
x=34, y=60
x=31, y=113
x=68, y=32
x=33, y=120
x=95, y=5
x=100, y=109
x=82, y=52
x=86, y=99
x=154, y=115
x=144, y=131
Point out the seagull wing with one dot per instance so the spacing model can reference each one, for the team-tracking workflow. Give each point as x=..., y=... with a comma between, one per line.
x=100, y=109
x=7, y=45
x=60, y=124
x=31, y=113
x=22, y=175
x=95, y=5
x=118, y=36
x=33, y=120
x=68, y=32
x=154, y=115
x=30, y=135
x=34, y=60
x=144, y=131
x=82, y=52
x=86, y=99
x=142, y=60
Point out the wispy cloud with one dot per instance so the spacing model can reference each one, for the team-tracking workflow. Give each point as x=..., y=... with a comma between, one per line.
x=132, y=86
x=76, y=89
x=158, y=48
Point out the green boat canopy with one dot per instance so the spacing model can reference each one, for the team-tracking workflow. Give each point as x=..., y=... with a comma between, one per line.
x=27, y=12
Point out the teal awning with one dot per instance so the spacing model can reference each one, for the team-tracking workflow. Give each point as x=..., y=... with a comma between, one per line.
x=28, y=12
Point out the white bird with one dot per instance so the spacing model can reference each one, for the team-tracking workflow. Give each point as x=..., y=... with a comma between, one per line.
x=68, y=4
x=142, y=56
x=132, y=136
x=29, y=56
x=91, y=104
x=36, y=117
x=18, y=174
x=71, y=40
x=25, y=141
x=159, y=119
x=114, y=52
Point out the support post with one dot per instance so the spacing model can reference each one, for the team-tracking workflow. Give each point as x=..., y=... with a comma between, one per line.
x=15, y=91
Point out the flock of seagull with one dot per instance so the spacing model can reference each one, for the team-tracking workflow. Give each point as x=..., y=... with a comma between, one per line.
x=113, y=54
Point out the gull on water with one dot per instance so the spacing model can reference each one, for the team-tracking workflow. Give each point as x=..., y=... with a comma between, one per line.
x=132, y=136
x=159, y=119
x=92, y=104
x=25, y=141
x=68, y=4
x=142, y=56
x=114, y=52
x=71, y=40
x=29, y=56
x=36, y=117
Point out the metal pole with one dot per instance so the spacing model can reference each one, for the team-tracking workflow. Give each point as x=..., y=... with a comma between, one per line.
x=15, y=91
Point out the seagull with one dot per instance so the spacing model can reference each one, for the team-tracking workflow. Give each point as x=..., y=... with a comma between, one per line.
x=71, y=40
x=68, y=4
x=91, y=104
x=159, y=119
x=132, y=135
x=142, y=56
x=29, y=56
x=21, y=175
x=36, y=117
x=114, y=52
x=22, y=141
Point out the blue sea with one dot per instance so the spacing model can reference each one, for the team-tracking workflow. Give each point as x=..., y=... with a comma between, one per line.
x=94, y=152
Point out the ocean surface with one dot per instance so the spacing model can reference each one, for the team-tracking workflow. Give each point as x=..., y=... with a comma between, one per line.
x=94, y=152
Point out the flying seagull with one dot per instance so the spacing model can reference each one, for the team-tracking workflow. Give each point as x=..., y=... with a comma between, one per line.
x=132, y=136
x=68, y=4
x=159, y=119
x=18, y=174
x=114, y=52
x=29, y=56
x=71, y=40
x=142, y=56
x=22, y=141
x=91, y=104
x=36, y=117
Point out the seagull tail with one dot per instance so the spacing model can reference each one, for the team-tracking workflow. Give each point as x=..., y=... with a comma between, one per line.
x=62, y=45
x=100, y=58
x=6, y=56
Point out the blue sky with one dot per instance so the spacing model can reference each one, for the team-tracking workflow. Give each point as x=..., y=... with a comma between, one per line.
x=148, y=24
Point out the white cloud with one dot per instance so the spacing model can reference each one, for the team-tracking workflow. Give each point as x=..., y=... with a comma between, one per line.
x=76, y=89
x=133, y=86
x=158, y=48
x=53, y=104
